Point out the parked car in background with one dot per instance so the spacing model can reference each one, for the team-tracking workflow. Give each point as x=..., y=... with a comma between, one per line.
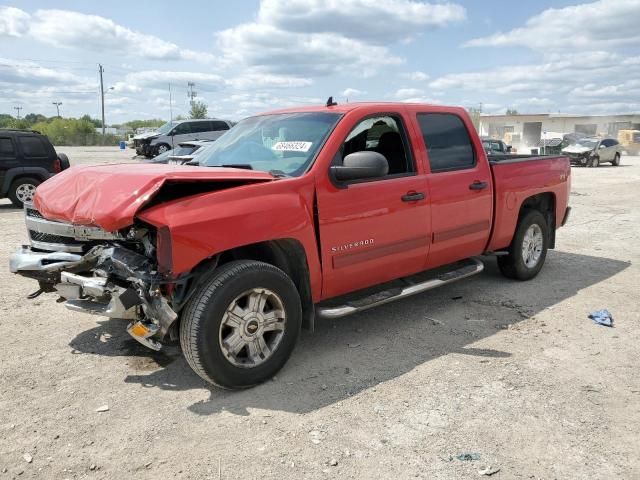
x=311, y=211
x=184, y=148
x=592, y=151
x=173, y=133
x=27, y=159
x=493, y=146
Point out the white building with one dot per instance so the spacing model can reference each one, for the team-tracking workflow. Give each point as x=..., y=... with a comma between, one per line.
x=526, y=131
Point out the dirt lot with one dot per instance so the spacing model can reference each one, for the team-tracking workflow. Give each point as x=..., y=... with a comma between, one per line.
x=513, y=373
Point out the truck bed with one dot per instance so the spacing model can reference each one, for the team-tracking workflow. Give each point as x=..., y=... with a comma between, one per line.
x=517, y=177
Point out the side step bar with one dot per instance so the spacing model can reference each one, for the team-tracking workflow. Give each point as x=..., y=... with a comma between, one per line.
x=472, y=266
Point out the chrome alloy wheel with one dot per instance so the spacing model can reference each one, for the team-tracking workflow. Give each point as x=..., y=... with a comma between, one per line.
x=252, y=327
x=25, y=192
x=532, y=246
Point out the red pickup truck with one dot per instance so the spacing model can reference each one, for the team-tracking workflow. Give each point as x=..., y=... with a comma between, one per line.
x=291, y=215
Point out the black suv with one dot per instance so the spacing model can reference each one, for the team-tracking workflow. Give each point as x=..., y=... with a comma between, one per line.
x=27, y=159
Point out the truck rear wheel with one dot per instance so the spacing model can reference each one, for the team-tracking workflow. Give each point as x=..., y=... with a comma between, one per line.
x=528, y=249
x=241, y=326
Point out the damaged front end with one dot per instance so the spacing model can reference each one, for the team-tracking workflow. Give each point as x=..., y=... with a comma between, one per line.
x=102, y=273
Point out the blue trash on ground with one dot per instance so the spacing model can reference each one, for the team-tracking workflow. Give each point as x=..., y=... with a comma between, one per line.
x=602, y=317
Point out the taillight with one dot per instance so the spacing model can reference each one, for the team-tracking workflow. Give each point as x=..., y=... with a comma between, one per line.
x=57, y=166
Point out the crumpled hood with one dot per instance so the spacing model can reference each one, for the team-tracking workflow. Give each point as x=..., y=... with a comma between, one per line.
x=576, y=149
x=109, y=196
x=142, y=136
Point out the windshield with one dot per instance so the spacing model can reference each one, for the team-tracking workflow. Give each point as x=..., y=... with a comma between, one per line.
x=585, y=142
x=166, y=128
x=286, y=142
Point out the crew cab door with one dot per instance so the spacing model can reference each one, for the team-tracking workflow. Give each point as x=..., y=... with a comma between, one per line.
x=460, y=187
x=376, y=230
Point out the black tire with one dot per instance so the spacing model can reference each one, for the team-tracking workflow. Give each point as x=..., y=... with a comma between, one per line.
x=513, y=265
x=200, y=326
x=593, y=162
x=64, y=161
x=162, y=146
x=15, y=194
x=616, y=160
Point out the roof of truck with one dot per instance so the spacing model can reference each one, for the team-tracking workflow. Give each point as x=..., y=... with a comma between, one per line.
x=347, y=107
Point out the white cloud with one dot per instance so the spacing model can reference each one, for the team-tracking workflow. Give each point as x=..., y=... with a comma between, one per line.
x=352, y=92
x=323, y=37
x=272, y=50
x=32, y=73
x=13, y=21
x=160, y=80
x=376, y=21
x=68, y=29
x=590, y=25
x=415, y=76
x=266, y=80
x=559, y=80
x=403, y=93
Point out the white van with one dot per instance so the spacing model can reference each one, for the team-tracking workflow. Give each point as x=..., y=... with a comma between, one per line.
x=169, y=135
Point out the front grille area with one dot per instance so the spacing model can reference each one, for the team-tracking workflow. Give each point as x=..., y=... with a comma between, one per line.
x=50, y=238
x=32, y=212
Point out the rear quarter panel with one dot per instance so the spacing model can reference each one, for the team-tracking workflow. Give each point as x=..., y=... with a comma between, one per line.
x=516, y=181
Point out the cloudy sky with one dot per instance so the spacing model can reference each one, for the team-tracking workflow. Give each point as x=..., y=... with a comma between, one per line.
x=249, y=56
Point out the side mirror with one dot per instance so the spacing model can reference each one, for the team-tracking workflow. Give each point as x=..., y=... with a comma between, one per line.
x=361, y=166
x=508, y=148
x=602, y=146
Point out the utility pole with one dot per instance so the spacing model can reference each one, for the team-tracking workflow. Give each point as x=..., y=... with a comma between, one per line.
x=18, y=109
x=191, y=94
x=100, y=70
x=57, y=104
x=170, y=105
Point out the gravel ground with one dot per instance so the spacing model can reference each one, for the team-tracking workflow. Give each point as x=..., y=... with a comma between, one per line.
x=513, y=373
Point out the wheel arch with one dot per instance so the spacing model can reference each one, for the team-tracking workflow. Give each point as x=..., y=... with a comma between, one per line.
x=14, y=174
x=545, y=203
x=287, y=254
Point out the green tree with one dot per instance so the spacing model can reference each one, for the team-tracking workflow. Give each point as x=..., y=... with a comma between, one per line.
x=511, y=111
x=198, y=110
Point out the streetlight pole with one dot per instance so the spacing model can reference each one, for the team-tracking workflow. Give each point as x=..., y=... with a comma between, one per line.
x=57, y=104
x=18, y=109
x=100, y=70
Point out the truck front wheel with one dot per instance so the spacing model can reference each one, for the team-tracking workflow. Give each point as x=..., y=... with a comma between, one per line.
x=528, y=249
x=241, y=326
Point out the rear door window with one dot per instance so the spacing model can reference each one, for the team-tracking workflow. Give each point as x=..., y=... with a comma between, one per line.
x=7, y=150
x=200, y=127
x=32, y=147
x=217, y=125
x=447, y=141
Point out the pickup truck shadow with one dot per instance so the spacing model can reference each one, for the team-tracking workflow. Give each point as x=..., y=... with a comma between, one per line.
x=344, y=357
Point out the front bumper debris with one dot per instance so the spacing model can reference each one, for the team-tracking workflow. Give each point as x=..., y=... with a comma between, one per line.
x=109, y=281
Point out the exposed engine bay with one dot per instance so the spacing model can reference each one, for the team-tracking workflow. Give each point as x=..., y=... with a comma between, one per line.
x=102, y=273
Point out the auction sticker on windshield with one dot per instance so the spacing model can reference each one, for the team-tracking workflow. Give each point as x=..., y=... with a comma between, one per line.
x=292, y=146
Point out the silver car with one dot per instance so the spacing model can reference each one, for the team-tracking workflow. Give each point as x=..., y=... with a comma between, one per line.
x=168, y=136
x=591, y=152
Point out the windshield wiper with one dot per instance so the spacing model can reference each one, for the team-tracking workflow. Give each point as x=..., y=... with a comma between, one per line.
x=243, y=166
x=278, y=173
